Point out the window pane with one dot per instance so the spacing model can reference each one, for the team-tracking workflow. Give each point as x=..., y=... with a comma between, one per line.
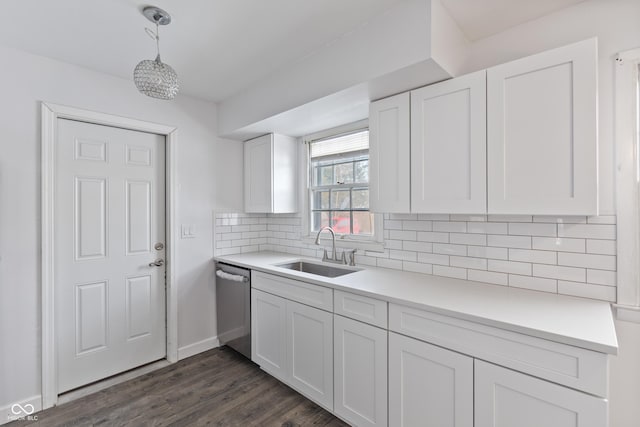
x=362, y=171
x=360, y=199
x=344, y=173
x=340, y=199
x=341, y=222
x=320, y=199
x=320, y=219
x=362, y=223
x=324, y=175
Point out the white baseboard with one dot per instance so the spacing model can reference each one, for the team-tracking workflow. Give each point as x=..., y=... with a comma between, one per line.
x=627, y=313
x=197, y=347
x=26, y=409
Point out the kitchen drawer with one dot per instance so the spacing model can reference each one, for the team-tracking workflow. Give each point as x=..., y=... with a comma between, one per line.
x=574, y=367
x=304, y=293
x=358, y=307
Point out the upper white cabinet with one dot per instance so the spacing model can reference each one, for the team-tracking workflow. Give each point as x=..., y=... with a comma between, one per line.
x=508, y=398
x=542, y=133
x=270, y=174
x=427, y=149
x=389, y=145
x=448, y=146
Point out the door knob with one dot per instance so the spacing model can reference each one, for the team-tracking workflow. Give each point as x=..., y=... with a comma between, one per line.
x=157, y=263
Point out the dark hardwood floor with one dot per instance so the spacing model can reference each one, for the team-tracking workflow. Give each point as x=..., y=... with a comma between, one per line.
x=218, y=387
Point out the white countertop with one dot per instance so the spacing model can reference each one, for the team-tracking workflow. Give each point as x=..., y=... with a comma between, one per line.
x=569, y=320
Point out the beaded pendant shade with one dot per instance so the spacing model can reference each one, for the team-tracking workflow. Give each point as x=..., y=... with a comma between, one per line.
x=153, y=77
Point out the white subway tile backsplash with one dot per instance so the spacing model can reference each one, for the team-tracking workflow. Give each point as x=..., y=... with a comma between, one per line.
x=587, y=290
x=430, y=236
x=402, y=235
x=588, y=231
x=488, y=277
x=433, y=258
x=521, y=242
x=526, y=229
x=395, y=264
x=487, y=227
x=572, y=255
x=455, y=272
x=417, y=267
x=560, y=244
x=560, y=272
x=509, y=218
x=468, y=239
x=602, y=247
x=403, y=255
x=417, y=225
x=602, y=277
x=561, y=219
x=468, y=262
x=448, y=249
x=522, y=268
x=527, y=255
x=468, y=218
x=447, y=226
x=533, y=283
x=600, y=262
x=409, y=245
x=488, y=252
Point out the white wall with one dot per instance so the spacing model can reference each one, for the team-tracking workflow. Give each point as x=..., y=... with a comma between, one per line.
x=209, y=177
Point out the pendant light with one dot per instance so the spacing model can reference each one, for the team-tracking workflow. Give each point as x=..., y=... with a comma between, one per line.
x=153, y=77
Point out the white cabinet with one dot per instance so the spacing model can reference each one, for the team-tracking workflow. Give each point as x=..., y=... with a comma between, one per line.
x=427, y=149
x=429, y=385
x=360, y=372
x=310, y=352
x=389, y=154
x=508, y=398
x=268, y=333
x=542, y=133
x=270, y=174
x=448, y=146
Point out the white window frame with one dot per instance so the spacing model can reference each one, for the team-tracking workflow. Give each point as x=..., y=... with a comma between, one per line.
x=627, y=183
x=371, y=243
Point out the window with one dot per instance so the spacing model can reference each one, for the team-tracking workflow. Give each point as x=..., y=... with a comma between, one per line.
x=339, y=184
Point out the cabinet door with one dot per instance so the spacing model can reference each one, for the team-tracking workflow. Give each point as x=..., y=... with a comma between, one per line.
x=310, y=352
x=360, y=377
x=428, y=385
x=268, y=332
x=258, y=178
x=389, y=155
x=448, y=146
x=508, y=398
x=542, y=133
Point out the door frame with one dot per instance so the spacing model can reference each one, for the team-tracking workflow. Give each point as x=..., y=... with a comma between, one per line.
x=50, y=115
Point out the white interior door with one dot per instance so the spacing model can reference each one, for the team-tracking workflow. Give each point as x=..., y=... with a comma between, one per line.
x=109, y=226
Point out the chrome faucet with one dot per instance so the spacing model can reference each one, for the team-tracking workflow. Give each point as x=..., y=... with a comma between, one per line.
x=334, y=255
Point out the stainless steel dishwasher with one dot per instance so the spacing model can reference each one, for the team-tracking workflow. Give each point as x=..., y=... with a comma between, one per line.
x=233, y=307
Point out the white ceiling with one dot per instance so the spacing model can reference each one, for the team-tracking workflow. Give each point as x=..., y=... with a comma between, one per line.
x=219, y=47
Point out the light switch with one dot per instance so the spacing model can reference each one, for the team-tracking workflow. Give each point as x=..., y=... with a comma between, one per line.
x=188, y=231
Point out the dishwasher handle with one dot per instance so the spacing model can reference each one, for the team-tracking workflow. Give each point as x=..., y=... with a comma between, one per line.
x=233, y=277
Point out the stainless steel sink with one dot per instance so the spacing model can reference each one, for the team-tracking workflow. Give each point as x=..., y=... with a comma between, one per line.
x=317, y=269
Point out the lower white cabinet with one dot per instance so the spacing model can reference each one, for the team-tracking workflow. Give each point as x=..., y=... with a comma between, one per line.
x=294, y=343
x=310, y=352
x=429, y=385
x=507, y=398
x=268, y=333
x=360, y=372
